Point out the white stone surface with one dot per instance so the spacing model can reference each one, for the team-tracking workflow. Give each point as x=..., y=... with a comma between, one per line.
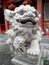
x=24, y=20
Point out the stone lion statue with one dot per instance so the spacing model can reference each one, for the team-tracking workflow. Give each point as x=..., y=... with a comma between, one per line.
x=25, y=34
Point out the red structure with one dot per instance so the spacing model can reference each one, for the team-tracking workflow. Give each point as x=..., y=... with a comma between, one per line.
x=43, y=8
x=3, y=22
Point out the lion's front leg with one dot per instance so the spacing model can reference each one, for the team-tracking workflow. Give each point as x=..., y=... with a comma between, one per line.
x=34, y=48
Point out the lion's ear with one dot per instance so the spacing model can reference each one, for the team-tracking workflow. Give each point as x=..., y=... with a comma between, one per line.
x=8, y=15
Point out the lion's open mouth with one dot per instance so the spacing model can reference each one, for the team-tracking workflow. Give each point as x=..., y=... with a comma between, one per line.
x=28, y=22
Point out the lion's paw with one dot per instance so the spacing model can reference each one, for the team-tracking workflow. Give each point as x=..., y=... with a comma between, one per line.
x=33, y=51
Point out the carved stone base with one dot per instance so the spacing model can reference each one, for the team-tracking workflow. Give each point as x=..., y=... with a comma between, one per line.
x=24, y=61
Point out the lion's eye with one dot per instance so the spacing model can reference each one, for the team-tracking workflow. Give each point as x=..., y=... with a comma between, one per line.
x=21, y=12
